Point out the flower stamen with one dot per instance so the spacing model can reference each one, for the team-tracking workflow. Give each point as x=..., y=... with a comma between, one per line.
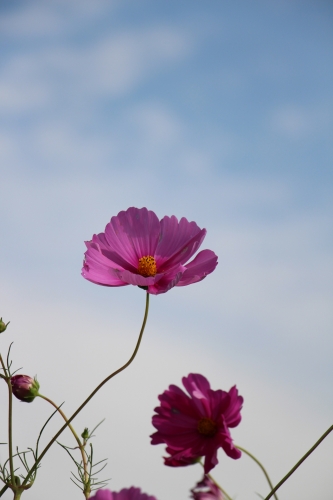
x=147, y=266
x=207, y=427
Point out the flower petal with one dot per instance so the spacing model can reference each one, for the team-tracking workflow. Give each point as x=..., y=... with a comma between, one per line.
x=100, y=242
x=198, y=387
x=210, y=457
x=174, y=236
x=98, y=268
x=196, y=270
x=133, y=233
x=131, y=494
x=102, y=495
x=136, y=279
x=179, y=458
x=168, y=281
x=228, y=446
x=232, y=414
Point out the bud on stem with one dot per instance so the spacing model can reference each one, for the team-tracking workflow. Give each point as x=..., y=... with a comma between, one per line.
x=24, y=387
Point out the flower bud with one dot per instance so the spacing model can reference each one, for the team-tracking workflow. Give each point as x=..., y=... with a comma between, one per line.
x=3, y=325
x=24, y=387
x=85, y=433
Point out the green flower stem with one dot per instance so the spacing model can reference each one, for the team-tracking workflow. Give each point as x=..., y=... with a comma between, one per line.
x=228, y=497
x=283, y=480
x=33, y=468
x=261, y=467
x=87, y=489
x=10, y=422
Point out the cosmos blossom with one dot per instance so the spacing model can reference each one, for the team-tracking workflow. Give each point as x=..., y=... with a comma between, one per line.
x=197, y=425
x=206, y=490
x=138, y=249
x=124, y=494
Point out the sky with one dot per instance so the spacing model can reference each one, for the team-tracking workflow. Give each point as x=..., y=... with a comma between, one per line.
x=220, y=112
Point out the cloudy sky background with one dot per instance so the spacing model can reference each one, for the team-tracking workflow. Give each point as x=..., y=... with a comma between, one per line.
x=217, y=111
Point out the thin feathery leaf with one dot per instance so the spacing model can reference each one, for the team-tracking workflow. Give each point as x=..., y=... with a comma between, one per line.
x=91, y=433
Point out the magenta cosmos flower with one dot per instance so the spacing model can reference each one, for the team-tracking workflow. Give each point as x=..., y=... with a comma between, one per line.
x=197, y=425
x=138, y=249
x=124, y=494
x=206, y=490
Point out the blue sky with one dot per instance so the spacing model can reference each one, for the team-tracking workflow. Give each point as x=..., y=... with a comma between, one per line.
x=220, y=112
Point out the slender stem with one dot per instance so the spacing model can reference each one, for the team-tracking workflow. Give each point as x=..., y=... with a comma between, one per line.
x=10, y=425
x=80, y=445
x=10, y=430
x=261, y=467
x=33, y=468
x=283, y=480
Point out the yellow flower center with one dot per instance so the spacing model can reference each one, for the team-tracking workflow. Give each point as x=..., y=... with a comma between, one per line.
x=207, y=427
x=147, y=266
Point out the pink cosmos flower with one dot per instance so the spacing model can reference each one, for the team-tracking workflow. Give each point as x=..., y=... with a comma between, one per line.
x=206, y=490
x=197, y=425
x=124, y=494
x=138, y=249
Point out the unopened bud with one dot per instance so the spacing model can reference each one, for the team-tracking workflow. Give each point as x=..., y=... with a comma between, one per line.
x=85, y=433
x=24, y=387
x=3, y=325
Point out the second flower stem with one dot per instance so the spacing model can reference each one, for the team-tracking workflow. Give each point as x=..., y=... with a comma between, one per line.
x=284, y=479
x=48, y=446
x=10, y=421
x=261, y=467
x=87, y=490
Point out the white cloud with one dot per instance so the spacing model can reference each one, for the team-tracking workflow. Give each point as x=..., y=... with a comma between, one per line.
x=109, y=67
x=37, y=19
x=297, y=122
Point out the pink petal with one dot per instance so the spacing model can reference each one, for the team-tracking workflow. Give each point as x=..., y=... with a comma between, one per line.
x=228, y=446
x=198, y=387
x=232, y=414
x=97, y=268
x=168, y=281
x=136, y=279
x=185, y=252
x=203, y=264
x=133, y=234
x=102, y=495
x=100, y=242
x=211, y=458
x=131, y=494
x=174, y=236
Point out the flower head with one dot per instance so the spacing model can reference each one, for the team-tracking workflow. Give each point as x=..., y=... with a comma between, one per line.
x=124, y=494
x=24, y=387
x=206, y=490
x=138, y=249
x=197, y=425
